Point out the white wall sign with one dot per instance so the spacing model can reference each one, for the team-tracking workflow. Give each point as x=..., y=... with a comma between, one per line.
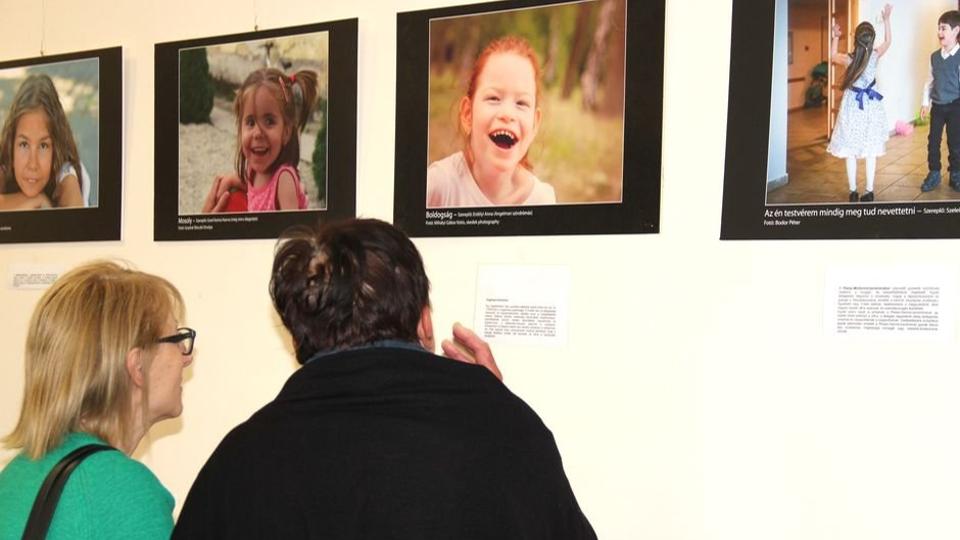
x=32, y=276
x=525, y=305
x=893, y=302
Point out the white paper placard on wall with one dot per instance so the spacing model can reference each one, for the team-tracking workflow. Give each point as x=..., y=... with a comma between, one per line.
x=523, y=305
x=32, y=276
x=891, y=302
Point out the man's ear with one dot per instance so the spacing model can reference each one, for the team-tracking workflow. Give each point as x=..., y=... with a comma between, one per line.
x=425, y=330
x=134, y=364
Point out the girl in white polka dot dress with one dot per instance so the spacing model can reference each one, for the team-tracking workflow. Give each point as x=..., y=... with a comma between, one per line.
x=861, y=130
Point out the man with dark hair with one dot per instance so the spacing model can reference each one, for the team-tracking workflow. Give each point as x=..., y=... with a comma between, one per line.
x=375, y=436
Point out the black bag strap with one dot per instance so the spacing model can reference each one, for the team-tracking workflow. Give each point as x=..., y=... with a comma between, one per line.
x=49, y=495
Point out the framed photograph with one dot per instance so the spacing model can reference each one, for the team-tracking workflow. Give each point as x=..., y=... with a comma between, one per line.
x=827, y=136
x=529, y=118
x=60, y=147
x=255, y=132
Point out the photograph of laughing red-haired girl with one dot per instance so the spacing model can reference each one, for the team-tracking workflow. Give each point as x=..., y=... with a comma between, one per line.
x=529, y=118
x=526, y=107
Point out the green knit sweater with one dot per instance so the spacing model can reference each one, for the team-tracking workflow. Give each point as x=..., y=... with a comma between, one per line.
x=109, y=495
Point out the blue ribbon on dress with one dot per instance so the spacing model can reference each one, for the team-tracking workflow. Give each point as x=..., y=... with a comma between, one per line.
x=869, y=91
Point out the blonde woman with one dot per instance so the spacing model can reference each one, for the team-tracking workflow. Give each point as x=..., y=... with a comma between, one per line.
x=104, y=361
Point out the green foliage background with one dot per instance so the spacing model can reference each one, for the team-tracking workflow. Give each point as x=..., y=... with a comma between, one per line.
x=196, y=87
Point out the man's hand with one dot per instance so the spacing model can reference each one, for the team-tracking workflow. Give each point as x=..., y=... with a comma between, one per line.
x=467, y=347
x=924, y=112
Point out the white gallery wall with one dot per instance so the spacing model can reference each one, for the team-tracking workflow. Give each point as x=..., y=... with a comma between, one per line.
x=698, y=396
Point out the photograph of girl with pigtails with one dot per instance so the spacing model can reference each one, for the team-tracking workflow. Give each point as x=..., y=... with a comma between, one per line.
x=863, y=138
x=253, y=132
x=529, y=106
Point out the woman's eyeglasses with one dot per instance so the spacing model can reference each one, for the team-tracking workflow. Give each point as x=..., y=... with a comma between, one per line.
x=184, y=339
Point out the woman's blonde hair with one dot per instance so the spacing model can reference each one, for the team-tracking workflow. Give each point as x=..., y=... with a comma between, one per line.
x=75, y=357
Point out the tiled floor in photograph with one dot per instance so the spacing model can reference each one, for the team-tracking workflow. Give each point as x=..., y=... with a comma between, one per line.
x=817, y=177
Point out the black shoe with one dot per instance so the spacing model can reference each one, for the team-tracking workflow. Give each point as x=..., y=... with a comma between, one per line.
x=931, y=181
x=867, y=197
x=854, y=197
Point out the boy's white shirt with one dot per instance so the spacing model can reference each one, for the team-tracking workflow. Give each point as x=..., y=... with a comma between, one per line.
x=925, y=100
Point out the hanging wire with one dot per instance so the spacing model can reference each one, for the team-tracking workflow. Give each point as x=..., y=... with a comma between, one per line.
x=43, y=24
x=256, y=27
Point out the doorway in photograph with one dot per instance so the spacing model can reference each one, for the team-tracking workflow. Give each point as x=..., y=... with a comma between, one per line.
x=813, y=102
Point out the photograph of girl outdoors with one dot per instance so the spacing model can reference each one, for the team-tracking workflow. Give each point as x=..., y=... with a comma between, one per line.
x=865, y=102
x=526, y=106
x=252, y=132
x=49, y=139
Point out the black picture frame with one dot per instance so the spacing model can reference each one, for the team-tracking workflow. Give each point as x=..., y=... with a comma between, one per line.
x=170, y=223
x=101, y=220
x=638, y=210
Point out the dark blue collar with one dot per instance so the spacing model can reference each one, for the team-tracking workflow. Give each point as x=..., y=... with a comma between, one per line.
x=382, y=344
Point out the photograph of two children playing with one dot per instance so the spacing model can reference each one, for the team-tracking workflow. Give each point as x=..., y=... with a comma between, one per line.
x=895, y=73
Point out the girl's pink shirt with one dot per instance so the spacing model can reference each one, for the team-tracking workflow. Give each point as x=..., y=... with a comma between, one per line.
x=264, y=198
